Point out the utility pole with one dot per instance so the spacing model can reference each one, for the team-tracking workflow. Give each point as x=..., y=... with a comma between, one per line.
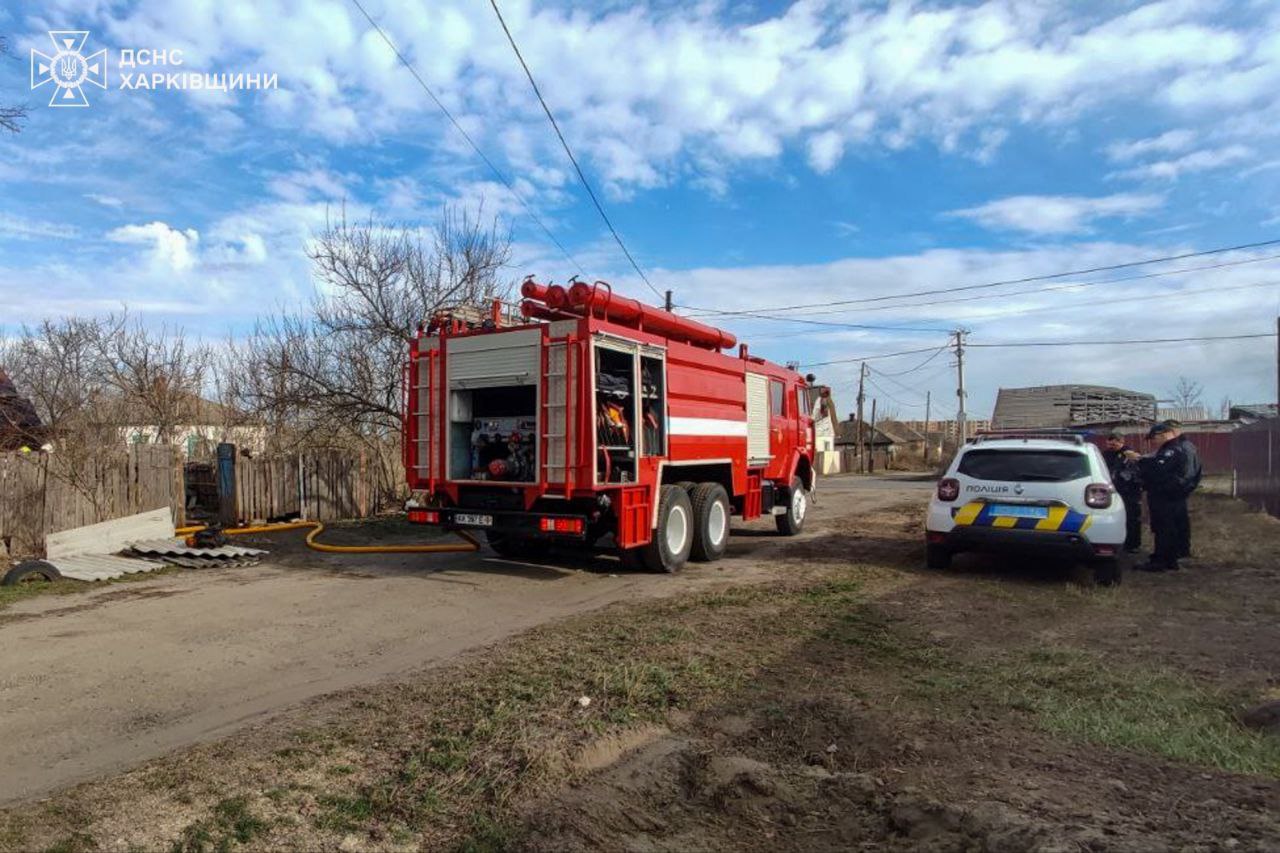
x=667, y=305
x=962, y=425
x=862, y=459
x=927, y=396
x=1278, y=359
x=871, y=457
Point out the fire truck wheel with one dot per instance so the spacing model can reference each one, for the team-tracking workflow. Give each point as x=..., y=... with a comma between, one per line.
x=668, y=551
x=791, y=522
x=688, y=486
x=516, y=547
x=710, y=522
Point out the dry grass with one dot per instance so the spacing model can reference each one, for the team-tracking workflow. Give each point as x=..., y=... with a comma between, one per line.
x=445, y=759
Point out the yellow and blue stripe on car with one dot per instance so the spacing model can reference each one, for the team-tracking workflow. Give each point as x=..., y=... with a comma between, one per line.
x=1062, y=519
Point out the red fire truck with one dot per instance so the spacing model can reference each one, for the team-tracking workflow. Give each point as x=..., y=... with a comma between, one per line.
x=598, y=415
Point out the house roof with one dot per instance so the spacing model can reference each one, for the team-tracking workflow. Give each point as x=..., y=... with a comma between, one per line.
x=19, y=422
x=847, y=433
x=1255, y=410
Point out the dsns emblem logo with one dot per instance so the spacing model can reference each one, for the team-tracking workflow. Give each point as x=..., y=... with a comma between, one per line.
x=68, y=68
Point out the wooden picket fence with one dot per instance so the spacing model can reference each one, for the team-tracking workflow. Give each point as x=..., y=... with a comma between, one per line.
x=36, y=499
x=39, y=496
x=321, y=485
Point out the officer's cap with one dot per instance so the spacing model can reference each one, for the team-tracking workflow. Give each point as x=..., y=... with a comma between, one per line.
x=1159, y=427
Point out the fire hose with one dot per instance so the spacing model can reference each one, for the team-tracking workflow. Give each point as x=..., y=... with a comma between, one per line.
x=470, y=544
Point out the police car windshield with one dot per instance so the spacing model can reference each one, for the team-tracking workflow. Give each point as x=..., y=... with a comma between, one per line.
x=1048, y=466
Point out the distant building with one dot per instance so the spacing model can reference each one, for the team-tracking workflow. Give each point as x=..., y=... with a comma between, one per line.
x=20, y=425
x=203, y=423
x=1252, y=412
x=1186, y=414
x=1058, y=406
x=949, y=431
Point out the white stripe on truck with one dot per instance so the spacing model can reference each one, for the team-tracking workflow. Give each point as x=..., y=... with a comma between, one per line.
x=708, y=426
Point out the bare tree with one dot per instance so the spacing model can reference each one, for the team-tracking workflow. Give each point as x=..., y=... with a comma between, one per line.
x=11, y=115
x=334, y=376
x=1187, y=393
x=156, y=374
x=1224, y=408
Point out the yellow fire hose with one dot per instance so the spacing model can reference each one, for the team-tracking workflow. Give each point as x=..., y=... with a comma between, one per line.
x=470, y=543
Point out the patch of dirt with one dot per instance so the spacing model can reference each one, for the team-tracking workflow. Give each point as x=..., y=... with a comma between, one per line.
x=830, y=751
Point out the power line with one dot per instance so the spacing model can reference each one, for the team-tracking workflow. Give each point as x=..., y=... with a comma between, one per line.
x=1092, y=343
x=871, y=357
x=1024, y=280
x=458, y=127
x=1038, y=291
x=1104, y=342
x=1021, y=311
x=893, y=398
x=569, y=151
x=785, y=319
x=939, y=351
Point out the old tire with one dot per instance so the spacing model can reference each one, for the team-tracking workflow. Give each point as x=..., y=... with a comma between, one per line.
x=30, y=571
x=672, y=541
x=517, y=547
x=791, y=522
x=1108, y=571
x=937, y=556
x=711, y=512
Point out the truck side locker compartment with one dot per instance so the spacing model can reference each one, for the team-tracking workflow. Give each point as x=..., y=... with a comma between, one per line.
x=635, y=516
x=753, y=500
x=758, y=419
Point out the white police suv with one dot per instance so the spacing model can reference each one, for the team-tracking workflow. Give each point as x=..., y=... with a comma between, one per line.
x=1045, y=494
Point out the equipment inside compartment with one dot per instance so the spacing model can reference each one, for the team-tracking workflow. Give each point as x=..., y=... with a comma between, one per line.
x=615, y=412
x=493, y=434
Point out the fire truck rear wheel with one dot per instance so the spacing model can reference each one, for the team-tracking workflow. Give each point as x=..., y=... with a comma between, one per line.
x=668, y=551
x=791, y=522
x=711, y=513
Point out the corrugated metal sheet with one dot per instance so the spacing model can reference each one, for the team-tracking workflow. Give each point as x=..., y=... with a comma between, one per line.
x=1255, y=452
x=177, y=547
x=100, y=567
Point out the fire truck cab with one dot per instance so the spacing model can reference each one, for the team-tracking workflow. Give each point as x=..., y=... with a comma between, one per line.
x=599, y=416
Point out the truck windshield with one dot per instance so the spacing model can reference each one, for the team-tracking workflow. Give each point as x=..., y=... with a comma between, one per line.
x=1047, y=466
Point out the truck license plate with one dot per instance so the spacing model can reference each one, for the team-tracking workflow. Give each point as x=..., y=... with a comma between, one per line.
x=1020, y=511
x=473, y=520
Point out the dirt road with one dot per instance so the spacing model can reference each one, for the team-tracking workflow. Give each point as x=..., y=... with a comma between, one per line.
x=96, y=682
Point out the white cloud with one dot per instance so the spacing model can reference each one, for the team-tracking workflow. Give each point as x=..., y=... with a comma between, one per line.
x=26, y=228
x=820, y=76
x=1166, y=143
x=105, y=200
x=170, y=248
x=1196, y=161
x=1056, y=214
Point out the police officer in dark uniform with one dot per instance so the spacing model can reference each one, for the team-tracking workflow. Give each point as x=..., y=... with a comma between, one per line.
x=1192, y=478
x=1128, y=482
x=1169, y=476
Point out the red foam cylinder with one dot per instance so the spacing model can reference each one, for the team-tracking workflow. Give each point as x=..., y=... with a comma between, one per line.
x=532, y=290
x=620, y=309
x=529, y=308
x=556, y=297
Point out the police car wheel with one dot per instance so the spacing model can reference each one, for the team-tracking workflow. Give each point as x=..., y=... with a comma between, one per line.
x=1108, y=571
x=937, y=556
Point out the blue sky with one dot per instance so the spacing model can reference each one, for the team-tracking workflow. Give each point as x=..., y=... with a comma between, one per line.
x=752, y=156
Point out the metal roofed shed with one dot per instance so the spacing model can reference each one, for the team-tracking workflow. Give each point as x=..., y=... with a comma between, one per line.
x=1048, y=406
